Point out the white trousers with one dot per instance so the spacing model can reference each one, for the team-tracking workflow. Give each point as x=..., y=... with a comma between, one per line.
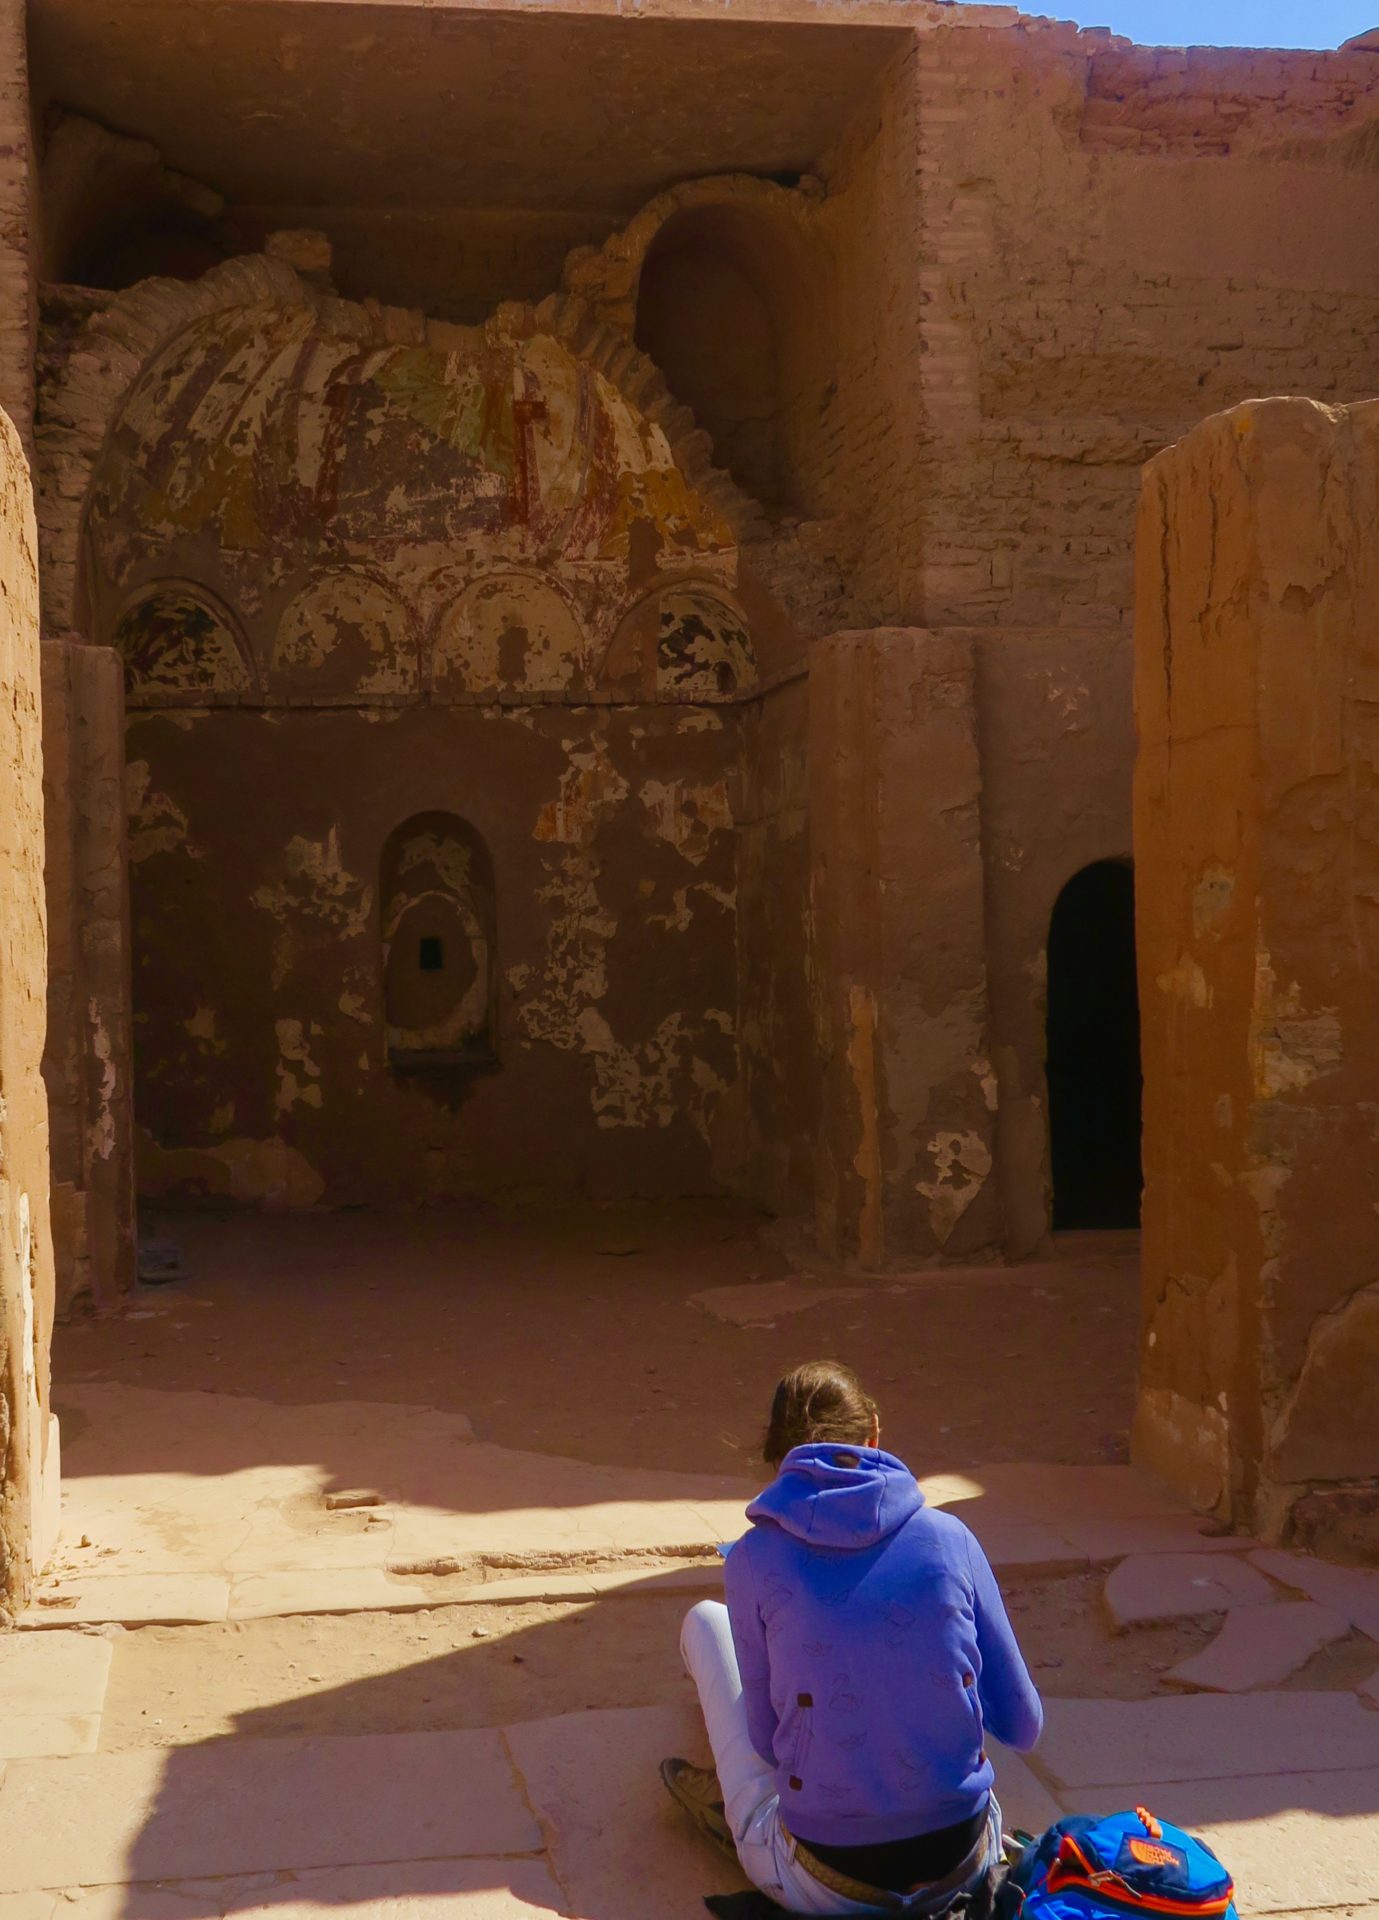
x=751, y=1803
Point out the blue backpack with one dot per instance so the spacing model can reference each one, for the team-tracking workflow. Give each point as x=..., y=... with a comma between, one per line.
x=1086, y=1868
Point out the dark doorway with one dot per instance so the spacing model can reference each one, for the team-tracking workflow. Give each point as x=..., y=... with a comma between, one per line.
x=1094, y=1050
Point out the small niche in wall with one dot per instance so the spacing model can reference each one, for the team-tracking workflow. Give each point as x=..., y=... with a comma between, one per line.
x=439, y=950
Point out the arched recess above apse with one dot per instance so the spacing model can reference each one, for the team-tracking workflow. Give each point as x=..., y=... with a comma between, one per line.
x=686, y=642
x=345, y=638
x=509, y=635
x=727, y=286
x=101, y=461
x=182, y=647
x=440, y=960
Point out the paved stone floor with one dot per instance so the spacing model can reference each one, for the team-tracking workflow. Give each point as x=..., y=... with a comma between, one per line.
x=376, y=1536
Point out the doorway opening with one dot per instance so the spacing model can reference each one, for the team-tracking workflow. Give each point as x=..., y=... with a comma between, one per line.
x=1093, y=1050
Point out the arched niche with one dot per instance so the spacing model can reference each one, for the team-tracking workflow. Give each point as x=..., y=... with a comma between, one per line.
x=439, y=946
x=508, y=633
x=685, y=642
x=732, y=306
x=345, y=637
x=1093, y=1050
x=181, y=647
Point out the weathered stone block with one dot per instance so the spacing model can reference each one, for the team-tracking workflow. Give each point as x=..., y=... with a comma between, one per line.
x=26, y=1269
x=1257, y=834
x=904, y=1155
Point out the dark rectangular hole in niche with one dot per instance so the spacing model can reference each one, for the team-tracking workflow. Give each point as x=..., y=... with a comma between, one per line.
x=431, y=953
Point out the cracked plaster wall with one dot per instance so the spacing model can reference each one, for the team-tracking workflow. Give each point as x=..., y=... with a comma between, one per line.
x=999, y=371
x=1257, y=840
x=360, y=571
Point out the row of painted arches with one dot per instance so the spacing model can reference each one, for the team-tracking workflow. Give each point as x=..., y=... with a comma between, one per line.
x=349, y=637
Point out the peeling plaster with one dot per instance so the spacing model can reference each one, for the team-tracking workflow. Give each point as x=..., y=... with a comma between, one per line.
x=1212, y=898
x=1185, y=981
x=686, y=816
x=316, y=886
x=267, y=1173
x=294, y=1049
x=1288, y=1047
x=574, y=972
x=591, y=789
x=645, y=1086
x=156, y=823
x=101, y=1134
x=962, y=1162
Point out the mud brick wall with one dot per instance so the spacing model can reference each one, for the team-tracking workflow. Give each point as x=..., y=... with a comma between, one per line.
x=27, y=1452
x=1111, y=243
x=1257, y=838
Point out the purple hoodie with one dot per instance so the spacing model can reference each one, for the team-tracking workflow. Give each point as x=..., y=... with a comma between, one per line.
x=875, y=1651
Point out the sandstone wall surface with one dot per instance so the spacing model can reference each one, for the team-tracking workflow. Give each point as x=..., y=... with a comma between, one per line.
x=362, y=571
x=18, y=310
x=88, y=1061
x=1030, y=259
x=1112, y=242
x=1257, y=842
x=27, y=1449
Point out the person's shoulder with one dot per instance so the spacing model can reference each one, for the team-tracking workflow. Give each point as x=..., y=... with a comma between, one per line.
x=944, y=1528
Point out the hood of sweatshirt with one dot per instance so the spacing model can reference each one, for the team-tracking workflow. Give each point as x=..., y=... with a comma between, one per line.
x=832, y=1495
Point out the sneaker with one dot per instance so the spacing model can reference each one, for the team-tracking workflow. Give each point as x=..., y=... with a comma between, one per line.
x=698, y=1792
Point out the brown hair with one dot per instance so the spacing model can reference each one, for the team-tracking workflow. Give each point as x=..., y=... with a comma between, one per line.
x=819, y=1401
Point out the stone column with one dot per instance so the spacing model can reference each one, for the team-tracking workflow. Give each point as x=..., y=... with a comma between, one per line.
x=1257, y=860
x=28, y=1444
x=88, y=1063
x=904, y=1150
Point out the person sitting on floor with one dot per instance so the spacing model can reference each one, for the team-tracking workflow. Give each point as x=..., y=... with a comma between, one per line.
x=850, y=1683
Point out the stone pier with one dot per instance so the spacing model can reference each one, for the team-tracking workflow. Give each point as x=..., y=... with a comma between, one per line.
x=1257, y=848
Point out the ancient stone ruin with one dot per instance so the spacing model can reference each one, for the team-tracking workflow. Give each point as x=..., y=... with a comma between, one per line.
x=599, y=551
x=1257, y=836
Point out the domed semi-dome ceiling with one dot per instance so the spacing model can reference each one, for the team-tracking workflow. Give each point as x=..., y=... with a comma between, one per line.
x=269, y=456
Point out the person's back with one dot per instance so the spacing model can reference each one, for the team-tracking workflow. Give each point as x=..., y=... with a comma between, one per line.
x=849, y=1684
x=874, y=1651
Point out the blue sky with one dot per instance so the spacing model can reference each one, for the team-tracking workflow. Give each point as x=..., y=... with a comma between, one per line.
x=1221, y=23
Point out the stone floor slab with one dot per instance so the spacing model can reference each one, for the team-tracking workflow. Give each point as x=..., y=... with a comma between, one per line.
x=1301, y=1844
x=1025, y=1801
x=1023, y=1491
x=762, y=1303
x=1261, y=1646
x=519, y=1591
x=250, y=1495
x=55, y=1673
x=1011, y=1547
x=1206, y=1736
x=704, y=1581
x=497, y=1889
x=26, y=1735
x=1353, y=1591
x=28, y=1906
x=1156, y=1533
x=238, y=1806
x=337, y=1590
x=618, y=1843
x=1164, y=1586
x=132, y=1599
x=338, y=1541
